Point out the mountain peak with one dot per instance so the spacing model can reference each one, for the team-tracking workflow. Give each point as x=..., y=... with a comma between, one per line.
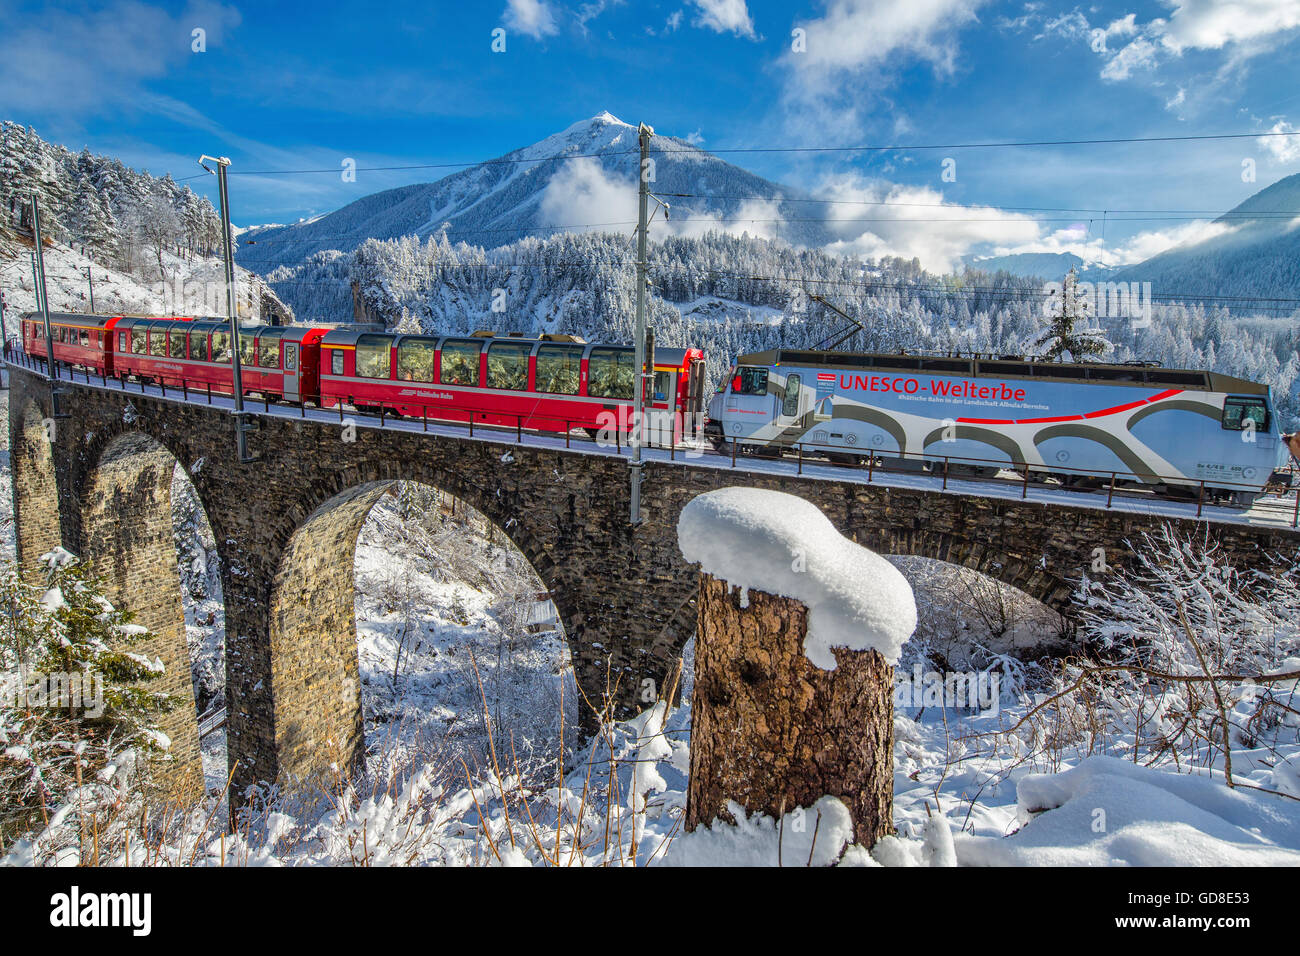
x=605, y=116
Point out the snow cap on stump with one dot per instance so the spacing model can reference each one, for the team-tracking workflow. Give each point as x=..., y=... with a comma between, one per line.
x=779, y=543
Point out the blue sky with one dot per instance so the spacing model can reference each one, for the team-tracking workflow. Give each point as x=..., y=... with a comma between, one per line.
x=303, y=86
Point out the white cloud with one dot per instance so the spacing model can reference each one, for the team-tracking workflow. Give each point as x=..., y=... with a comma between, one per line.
x=530, y=17
x=916, y=222
x=66, y=63
x=1135, y=249
x=1212, y=24
x=1283, y=149
x=582, y=193
x=1249, y=27
x=1141, y=54
x=725, y=16
x=847, y=49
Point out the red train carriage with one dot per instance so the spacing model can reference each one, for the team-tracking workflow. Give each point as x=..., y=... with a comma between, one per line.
x=80, y=340
x=280, y=362
x=552, y=383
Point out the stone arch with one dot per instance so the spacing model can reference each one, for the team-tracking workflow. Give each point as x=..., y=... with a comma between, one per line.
x=37, y=525
x=315, y=692
x=1020, y=573
x=124, y=531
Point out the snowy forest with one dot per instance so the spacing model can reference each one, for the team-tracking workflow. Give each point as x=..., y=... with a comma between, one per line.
x=116, y=213
x=731, y=294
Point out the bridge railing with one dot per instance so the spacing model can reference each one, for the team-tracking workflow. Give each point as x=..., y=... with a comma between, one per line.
x=1115, y=483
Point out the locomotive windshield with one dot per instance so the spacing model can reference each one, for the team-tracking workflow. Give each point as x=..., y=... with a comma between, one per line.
x=1238, y=411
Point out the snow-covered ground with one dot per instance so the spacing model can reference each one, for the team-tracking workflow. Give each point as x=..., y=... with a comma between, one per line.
x=191, y=287
x=1017, y=785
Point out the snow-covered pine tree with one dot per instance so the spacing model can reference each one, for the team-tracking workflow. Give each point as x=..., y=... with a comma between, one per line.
x=57, y=750
x=1067, y=333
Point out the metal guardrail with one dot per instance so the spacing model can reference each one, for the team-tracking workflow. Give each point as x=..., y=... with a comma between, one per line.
x=1108, y=481
x=213, y=720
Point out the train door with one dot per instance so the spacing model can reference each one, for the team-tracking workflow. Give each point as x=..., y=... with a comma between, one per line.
x=292, y=373
x=694, y=397
x=789, y=403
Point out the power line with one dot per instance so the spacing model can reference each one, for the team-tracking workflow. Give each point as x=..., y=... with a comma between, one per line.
x=909, y=147
x=899, y=147
x=947, y=205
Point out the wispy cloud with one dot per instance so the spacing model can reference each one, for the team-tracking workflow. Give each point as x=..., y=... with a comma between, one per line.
x=725, y=16
x=532, y=18
x=916, y=222
x=67, y=63
x=858, y=38
x=1283, y=149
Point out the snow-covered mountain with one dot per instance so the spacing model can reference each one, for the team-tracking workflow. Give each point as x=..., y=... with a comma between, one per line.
x=583, y=176
x=1258, y=254
x=1039, y=265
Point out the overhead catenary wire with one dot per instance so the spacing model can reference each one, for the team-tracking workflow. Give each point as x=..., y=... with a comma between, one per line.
x=691, y=150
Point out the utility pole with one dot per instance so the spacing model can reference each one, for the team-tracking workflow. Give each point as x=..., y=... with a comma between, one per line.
x=638, y=403
x=90, y=280
x=56, y=393
x=242, y=425
x=41, y=301
x=4, y=331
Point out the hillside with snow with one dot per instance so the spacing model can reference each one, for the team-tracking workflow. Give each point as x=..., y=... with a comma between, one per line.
x=583, y=177
x=1253, y=252
x=141, y=244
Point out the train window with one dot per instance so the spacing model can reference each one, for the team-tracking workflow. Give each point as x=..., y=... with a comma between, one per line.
x=247, y=348
x=336, y=361
x=460, y=363
x=790, y=403
x=85, y=339
x=138, y=340
x=507, y=365
x=663, y=385
x=1238, y=411
x=290, y=358
x=121, y=341
x=559, y=369
x=374, y=356
x=268, y=351
x=611, y=373
x=158, y=342
x=177, y=345
x=199, y=346
x=753, y=381
x=415, y=359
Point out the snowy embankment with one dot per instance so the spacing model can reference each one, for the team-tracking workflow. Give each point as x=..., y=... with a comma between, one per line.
x=999, y=788
x=193, y=286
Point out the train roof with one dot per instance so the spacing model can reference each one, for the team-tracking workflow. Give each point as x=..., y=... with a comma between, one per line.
x=1010, y=367
x=96, y=320
x=338, y=336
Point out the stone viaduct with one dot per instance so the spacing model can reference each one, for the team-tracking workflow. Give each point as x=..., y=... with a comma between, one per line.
x=286, y=528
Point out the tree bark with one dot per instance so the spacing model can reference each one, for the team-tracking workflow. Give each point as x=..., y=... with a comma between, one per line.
x=771, y=731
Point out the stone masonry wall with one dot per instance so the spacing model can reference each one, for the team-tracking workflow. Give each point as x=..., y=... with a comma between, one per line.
x=285, y=528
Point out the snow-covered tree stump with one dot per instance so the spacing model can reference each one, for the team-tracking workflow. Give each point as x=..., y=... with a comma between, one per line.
x=798, y=631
